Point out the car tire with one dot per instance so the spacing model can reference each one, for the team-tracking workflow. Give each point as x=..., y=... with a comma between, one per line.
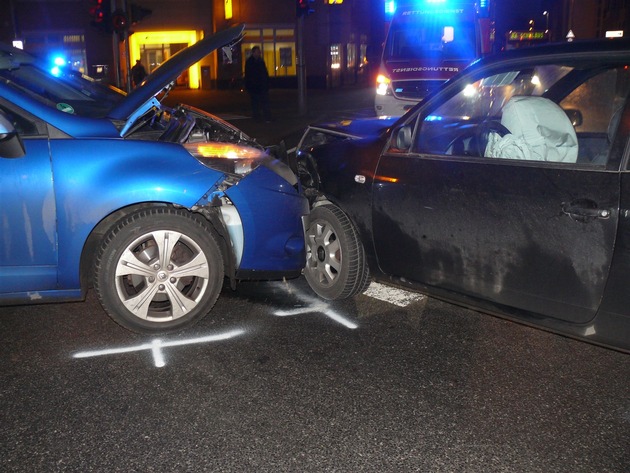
x=159, y=270
x=336, y=267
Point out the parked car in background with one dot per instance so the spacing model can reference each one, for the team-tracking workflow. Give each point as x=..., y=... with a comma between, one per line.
x=507, y=190
x=153, y=206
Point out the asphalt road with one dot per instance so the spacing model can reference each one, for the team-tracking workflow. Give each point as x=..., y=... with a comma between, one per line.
x=276, y=380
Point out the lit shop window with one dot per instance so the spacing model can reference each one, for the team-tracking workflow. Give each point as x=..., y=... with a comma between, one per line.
x=277, y=46
x=335, y=56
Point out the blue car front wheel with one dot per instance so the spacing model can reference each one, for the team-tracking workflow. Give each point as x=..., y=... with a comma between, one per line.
x=159, y=270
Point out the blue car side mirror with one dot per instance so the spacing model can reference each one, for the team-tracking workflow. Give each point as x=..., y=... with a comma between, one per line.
x=10, y=143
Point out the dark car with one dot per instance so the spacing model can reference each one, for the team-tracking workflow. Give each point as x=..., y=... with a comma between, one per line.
x=152, y=206
x=508, y=190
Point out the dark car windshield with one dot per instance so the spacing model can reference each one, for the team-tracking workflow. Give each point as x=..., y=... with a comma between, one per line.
x=67, y=90
x=429, y=41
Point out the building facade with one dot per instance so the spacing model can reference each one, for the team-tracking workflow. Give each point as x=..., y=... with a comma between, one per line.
x=341, y=39
x=337, y=38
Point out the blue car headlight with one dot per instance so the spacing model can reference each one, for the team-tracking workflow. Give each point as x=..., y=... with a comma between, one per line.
x=227, y=157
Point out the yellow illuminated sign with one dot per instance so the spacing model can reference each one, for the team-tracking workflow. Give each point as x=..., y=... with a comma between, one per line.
x=335, y=2
x=526, y=35
x=228, y=9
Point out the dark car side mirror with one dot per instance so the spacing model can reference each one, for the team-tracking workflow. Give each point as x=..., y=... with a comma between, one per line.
x=402, y=138
x=11, y=145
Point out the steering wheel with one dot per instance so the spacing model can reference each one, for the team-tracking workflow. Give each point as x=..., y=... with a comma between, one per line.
x=482, y=133
x=463, y=144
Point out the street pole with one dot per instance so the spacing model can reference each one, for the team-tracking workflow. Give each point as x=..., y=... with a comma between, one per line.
x=14, y=25
x=301, y=66
x=116, y=50
x=570, y=35
x=125, y=39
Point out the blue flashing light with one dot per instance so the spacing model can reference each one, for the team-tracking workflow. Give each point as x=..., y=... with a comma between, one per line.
x=390, y=7
x=59, y=63
x=484, y=7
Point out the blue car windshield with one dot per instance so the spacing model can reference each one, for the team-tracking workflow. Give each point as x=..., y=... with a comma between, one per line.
x=83, y=95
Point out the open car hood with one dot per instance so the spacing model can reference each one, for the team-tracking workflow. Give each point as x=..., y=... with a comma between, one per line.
x=143, y=98
x=359, y=128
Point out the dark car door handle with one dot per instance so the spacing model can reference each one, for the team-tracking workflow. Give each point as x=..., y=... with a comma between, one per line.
x=586, y=209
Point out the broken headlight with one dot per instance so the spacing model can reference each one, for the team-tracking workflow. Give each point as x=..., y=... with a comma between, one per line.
x=227, y=157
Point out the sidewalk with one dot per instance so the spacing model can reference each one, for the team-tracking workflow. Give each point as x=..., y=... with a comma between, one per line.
x=287, y=124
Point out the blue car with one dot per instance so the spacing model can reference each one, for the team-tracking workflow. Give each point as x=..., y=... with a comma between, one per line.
x=151, y=206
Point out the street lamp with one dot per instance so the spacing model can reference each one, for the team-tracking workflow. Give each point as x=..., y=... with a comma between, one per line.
x=546, y=15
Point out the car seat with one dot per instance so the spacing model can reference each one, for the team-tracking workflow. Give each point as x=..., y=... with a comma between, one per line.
x=539, y=131
x=613, y=124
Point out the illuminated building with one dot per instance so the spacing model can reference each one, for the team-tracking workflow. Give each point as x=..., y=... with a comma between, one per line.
x=342, y=38
x=337, y=37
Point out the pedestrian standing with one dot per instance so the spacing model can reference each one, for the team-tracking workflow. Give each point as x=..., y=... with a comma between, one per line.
x=138, y=73
x=257, y=84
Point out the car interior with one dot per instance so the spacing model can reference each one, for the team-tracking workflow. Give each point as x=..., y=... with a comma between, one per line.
x=547, y=113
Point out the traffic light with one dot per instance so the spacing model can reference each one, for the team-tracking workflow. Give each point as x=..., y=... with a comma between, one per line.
x=100, y=11
x=304, y=7
x=120, y=23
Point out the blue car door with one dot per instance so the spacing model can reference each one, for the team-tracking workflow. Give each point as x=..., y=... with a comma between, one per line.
x=28, y=246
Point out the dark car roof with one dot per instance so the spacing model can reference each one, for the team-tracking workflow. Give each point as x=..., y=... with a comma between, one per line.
x=592, y=48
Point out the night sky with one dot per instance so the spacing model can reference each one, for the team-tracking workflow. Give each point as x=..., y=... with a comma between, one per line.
x=515, y=14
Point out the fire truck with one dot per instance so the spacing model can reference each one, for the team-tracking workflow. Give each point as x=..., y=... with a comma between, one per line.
x=429, y=41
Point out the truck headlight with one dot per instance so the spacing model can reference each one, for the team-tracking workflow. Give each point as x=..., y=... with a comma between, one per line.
x=382, y=85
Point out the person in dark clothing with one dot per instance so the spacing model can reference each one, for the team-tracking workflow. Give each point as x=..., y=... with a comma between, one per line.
x=138, y=73
x=257, y=84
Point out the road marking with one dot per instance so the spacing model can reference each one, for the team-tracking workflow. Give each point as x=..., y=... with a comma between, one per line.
x=313, y=304
x=393, y=295
x=156, y=346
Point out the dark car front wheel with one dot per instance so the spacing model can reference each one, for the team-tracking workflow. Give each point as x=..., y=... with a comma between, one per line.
x=159, y=270
x=335, y=265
